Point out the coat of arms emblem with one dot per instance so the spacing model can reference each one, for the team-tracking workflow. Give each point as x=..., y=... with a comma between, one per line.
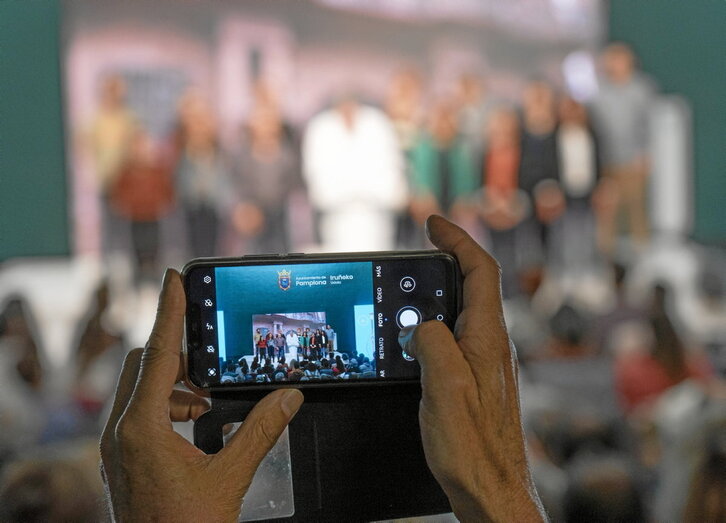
x=283, y=279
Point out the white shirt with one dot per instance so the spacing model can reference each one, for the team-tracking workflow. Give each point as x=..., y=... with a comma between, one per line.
x=355, y=178
x=577, y=162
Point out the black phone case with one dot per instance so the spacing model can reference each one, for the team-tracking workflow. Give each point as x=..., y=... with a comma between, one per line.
x=356, y=453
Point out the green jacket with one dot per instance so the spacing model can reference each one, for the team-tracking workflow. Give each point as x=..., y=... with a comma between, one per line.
x=426, y=178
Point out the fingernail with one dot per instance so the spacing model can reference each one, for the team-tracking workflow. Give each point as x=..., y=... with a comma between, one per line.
x=290, y=402
x=426, y=227
x=164, y=283
x=405, y=335
x=166, y=278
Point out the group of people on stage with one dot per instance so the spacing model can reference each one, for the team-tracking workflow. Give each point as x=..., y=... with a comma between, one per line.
x=212, y=199
x=512, y=170
x=339, y=367
x=302, y=343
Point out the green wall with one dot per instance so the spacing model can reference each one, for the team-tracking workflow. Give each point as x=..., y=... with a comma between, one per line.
x=682, y=44
x=33, y=193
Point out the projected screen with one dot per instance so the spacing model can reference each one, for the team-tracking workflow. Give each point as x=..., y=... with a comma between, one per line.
x=219, y=128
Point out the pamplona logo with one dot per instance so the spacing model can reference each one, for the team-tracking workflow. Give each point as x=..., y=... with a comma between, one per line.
x=284, y=279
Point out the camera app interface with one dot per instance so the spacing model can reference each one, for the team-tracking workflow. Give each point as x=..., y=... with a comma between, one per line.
x=310, y=322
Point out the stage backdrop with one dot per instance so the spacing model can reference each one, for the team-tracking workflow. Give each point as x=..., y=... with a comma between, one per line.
x=306, y=53
x=680, y=43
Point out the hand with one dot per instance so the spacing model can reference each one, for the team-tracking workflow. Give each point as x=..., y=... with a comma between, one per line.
x=470, y=418
x=549, y=201
x=150, y=471
x=248, y=219
x=422, y=207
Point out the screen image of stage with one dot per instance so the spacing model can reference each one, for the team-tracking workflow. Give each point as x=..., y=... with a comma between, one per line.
x=335, y=298
x=289, y=335
x=284, y=323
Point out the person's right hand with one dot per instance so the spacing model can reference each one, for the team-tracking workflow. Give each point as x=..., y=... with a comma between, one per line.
x=470, y=417
x=248, y=219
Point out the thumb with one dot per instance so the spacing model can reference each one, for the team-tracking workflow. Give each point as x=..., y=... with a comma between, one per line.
x=435, y=348
x=257, y=435
x=431, y=343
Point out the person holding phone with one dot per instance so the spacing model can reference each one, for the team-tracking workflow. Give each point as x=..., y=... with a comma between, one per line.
x=470, y=417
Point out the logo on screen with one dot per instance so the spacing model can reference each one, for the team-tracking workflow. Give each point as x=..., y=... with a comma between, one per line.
x=283, y=279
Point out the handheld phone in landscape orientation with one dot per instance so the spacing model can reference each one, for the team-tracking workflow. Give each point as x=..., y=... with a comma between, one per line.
x=312, y=319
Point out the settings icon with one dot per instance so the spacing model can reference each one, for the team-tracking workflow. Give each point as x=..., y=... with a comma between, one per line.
x=207, y=279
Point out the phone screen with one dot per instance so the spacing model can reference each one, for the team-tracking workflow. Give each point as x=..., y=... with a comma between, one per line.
x=312, y=321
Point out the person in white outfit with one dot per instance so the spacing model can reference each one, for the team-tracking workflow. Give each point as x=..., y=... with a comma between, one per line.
x=293, y=344
x=354, y=172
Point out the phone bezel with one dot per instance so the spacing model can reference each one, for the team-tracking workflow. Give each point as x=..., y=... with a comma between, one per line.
x=454, y=281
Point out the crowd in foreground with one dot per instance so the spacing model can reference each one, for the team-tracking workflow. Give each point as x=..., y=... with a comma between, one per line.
x=341, y=367
x=624, y=407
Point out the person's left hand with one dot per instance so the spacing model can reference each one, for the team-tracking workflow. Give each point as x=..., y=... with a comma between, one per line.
x=549, y=201
x=151, y=472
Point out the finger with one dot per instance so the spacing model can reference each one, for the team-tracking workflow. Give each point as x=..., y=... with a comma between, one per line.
x=435, y=348
x=124, y=389
x=431, y=343
x=258, y=434
x=480, y=270
x=185, y=406
x=480, y=330
x=181, y=372
x=160, y=360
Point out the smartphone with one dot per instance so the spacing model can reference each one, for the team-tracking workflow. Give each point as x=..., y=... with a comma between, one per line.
x=312, y=320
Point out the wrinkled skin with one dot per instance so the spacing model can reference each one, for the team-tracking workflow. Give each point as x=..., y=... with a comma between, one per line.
x=470, y=415
x=151, y=473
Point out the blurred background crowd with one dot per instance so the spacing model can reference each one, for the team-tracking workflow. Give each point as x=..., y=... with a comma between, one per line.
x=568, y=166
